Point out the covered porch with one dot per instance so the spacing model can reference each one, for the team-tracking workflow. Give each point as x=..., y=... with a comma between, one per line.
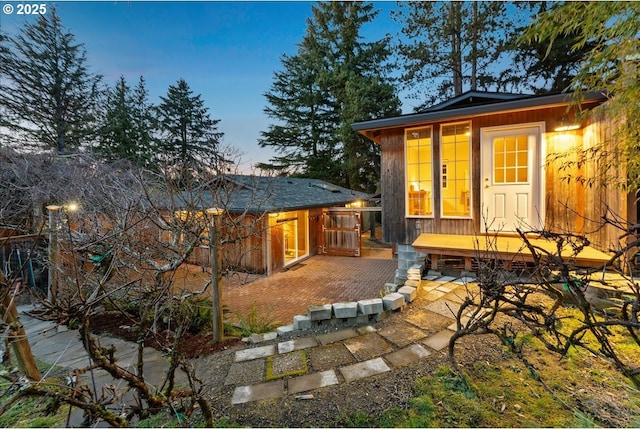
x=508, y=249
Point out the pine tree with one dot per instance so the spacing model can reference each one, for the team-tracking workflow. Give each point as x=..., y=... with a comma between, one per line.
x=305, y=119
x=188, y=138
x=128, y=125
x=337, y=79
x=452, y=47
x=47, y=94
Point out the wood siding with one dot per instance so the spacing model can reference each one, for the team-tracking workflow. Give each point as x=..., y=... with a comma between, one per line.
x=567, y=203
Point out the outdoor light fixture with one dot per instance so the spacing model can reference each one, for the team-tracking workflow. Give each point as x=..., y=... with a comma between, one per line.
x=565, y=124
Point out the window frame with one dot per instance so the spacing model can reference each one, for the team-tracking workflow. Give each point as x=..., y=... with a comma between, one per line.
x=470, y=162
x=431, y=199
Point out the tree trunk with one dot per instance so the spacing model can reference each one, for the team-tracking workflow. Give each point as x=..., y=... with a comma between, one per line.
x=18, y=337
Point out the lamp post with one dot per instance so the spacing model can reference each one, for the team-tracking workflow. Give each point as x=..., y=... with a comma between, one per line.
x=52, y=283
x=216, y=274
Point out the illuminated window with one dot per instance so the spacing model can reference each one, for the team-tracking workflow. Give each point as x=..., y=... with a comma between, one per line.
x=419, y=172
x=511, y=159
x=456, y=168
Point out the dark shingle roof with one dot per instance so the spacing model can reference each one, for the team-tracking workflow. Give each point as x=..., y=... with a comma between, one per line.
x=261, y=194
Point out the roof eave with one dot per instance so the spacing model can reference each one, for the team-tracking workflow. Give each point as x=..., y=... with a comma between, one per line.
x=371, y=129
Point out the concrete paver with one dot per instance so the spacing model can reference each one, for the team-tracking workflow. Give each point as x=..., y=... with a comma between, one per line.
x=364, y=369
x=330, y=356
x=247, y=372
x=401, y=334
x=255, y=353
x=313, y=381
x=444, y=308
x=258, y=392
x=408, y=355
x=440, y=340
x=367, y=346
x=297, y=344
x=340, y=335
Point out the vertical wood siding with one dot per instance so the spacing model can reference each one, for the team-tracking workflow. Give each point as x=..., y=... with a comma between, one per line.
x=570, y=205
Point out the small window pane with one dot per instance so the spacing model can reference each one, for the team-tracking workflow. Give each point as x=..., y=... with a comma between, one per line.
x=522, y=174
x=510, y=175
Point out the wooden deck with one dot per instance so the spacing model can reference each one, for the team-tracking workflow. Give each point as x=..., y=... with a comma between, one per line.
x=506, y=248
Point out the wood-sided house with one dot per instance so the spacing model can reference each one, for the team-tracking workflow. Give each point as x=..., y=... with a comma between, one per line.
x=272, y=223
x=487, y=162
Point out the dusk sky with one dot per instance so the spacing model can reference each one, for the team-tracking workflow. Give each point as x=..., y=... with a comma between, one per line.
x=226, y=51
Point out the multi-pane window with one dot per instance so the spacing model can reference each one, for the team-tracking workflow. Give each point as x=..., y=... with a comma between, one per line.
x=511, y=159
x=455, y=153
x=419, y=172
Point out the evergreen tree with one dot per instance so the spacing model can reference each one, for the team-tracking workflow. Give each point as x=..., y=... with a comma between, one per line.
x=342, y=80
x=128, y=125
x=305, y=119
x=47, y=94
x=611, y=65
x=453, y=47
x=539, y=69
x=188, y=138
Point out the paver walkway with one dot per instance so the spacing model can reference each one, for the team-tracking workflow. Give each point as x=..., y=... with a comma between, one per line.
x=291, y=366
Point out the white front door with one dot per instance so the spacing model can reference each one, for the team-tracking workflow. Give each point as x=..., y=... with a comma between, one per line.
x=511, y=178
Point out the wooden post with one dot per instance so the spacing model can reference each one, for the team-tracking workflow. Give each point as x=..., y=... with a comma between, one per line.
x=18, y=339
x=216, y=275
x=52, y=290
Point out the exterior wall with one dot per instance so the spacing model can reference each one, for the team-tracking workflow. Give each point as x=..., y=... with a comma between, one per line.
x=566, y=203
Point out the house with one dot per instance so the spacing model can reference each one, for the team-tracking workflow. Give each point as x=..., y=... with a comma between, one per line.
x=490, y=163
x=272, y=223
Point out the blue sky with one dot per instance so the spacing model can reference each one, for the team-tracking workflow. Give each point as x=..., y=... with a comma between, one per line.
x=226, y=51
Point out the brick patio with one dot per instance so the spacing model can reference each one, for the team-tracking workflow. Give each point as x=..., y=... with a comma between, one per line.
x=317, y=280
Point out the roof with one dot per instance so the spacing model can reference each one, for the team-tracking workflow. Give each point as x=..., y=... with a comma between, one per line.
x=491, y=104
x=475, y=98
x=263, y=194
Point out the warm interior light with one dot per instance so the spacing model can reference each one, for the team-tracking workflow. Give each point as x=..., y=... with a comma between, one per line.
x=568, y=127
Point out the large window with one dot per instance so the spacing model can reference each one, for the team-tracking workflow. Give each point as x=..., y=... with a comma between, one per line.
x=419, y=172
x=456, y=168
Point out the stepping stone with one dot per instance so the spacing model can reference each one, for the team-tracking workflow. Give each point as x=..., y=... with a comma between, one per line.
x=364, y=369
x=294, y=363
x=447, y=287
x=332, y=337
x=401, y=334
x=312, y=381
x=247, y=372
x=255, y=353
x=367, y=346
x=330, y=356
x=444, y=308
x=297, y=344
x=407, y=355
x=428, y=321
x=456, y=295
x=258, y=392
x=433, y=295
x=439, y=341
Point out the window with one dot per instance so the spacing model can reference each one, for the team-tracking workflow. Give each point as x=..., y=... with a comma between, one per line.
x=456, y=167
x=419, y=178
x=511, y=159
